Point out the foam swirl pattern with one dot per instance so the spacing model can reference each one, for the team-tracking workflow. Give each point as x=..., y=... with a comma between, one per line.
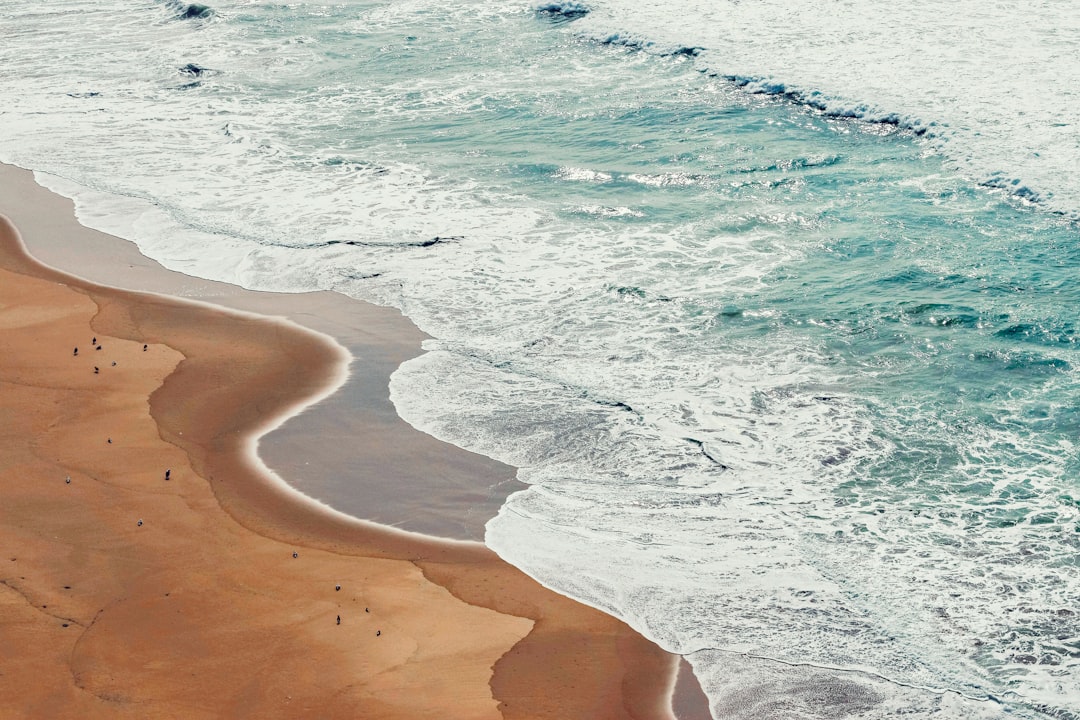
x=794, y=393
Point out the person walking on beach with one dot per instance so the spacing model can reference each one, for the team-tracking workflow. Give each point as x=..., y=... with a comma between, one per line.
x=338, y=619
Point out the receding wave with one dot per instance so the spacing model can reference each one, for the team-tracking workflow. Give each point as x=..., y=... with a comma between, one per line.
x=803, y=392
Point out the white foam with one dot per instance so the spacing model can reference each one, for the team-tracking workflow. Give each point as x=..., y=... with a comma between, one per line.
x=583, y=175
x=683, y=477
x=995, y=85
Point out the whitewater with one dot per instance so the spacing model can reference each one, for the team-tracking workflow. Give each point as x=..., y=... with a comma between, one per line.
x=773, y=304
x=993, y=85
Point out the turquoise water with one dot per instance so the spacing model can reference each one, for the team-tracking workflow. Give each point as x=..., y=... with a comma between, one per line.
x=794, y=395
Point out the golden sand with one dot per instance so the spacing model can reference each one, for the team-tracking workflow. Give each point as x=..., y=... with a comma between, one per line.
x=126, y=594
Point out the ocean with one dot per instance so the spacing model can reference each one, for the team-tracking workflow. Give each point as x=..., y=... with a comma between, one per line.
x=774, y=304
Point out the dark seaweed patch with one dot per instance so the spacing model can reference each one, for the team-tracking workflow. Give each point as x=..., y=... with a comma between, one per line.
x=617, y=404
x=631, y=292
x=195, y=11
x=194, y=70
x=437, y=240
x=685, y=52
x=705, y=451
x=561, y=12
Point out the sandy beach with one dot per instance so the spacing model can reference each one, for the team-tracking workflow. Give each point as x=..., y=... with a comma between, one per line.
x=153, y=567
x=325, y=452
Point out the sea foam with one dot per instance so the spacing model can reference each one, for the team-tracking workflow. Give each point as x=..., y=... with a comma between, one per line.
x=793, y=398
x=995, y=86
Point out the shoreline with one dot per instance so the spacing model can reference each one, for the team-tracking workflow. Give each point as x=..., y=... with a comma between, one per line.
x=444, y=491
x=467, y=571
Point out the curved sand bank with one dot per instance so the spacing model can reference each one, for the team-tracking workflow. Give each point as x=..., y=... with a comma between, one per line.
x=337, y=450
x=202, y=611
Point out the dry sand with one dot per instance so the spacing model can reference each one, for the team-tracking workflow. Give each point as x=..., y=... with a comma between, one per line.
x=202, y=610
x=326, y=452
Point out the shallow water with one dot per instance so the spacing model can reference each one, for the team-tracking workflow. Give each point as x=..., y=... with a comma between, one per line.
x=794, y=393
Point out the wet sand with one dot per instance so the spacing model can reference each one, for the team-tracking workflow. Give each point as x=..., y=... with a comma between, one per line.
x=202, y=610
x=438, y=489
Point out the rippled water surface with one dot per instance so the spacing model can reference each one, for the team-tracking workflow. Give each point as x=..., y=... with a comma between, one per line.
x=795, y=393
